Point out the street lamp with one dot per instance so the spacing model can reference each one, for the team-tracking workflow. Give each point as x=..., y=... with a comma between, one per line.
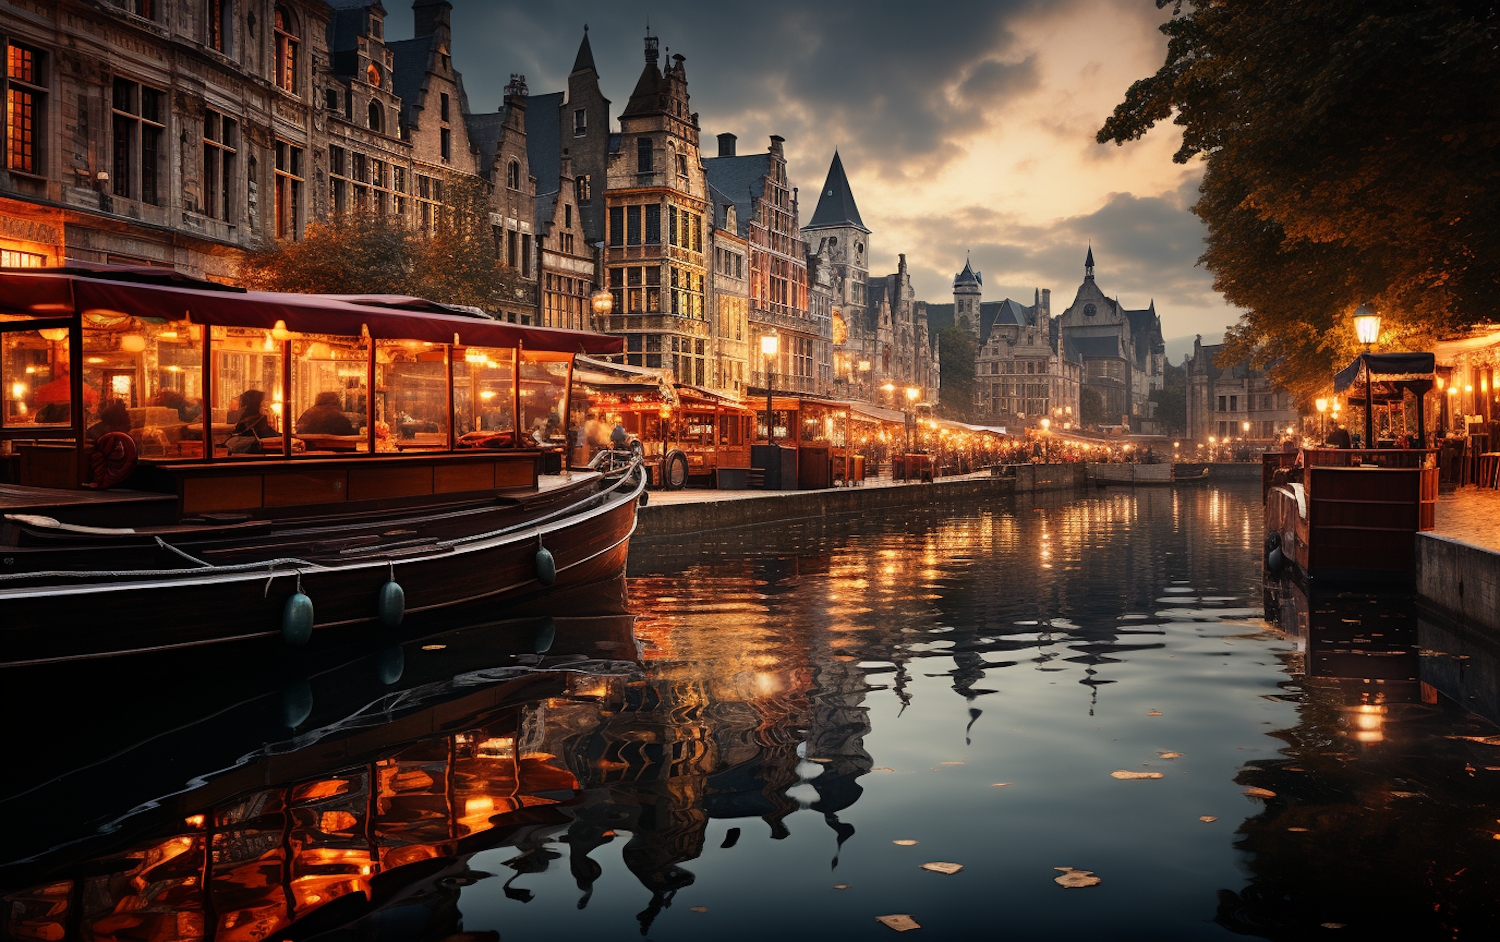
x=1367, y=326
x=912, y=393
x=602, y=302
x=1322, y=405
x=1245, y=427
x=769, y=344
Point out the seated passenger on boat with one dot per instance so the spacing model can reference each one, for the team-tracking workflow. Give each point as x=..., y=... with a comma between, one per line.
x=325, y=417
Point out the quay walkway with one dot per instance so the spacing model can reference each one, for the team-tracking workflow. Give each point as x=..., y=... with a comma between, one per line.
x=1458, y=561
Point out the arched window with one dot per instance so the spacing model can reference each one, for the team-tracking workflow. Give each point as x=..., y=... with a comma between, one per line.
x=513, y=175
x=287, y=44
x=372, y=74
x=375, y=116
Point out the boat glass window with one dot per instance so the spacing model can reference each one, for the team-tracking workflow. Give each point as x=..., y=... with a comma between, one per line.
x=411, y=396
x=248, y=397
x=34, y=371
x=483, y=396
x=544, y=388
x=144, y=378
x=330, y=398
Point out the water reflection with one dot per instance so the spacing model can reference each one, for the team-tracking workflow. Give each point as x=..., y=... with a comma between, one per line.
x=802, y=697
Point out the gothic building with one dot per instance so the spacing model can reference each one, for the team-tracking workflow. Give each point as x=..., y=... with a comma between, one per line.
x=885, y=335
x=1222, y=401
x=765, y=208
x=1123, y=354
x=657, y=199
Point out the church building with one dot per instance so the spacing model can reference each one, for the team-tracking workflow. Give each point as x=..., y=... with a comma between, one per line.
x=1123, y=353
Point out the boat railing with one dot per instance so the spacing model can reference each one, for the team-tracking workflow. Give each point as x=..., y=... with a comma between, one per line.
x=1370, y=457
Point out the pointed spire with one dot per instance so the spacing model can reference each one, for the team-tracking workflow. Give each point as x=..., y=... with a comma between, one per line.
x=585, y=60
x=1088, y=264
x=836, y=202
x=968, y=275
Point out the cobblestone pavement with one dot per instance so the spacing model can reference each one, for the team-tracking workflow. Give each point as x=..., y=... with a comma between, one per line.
x=1470, y=514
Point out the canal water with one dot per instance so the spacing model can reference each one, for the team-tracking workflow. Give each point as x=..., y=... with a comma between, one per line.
x=1082, y=687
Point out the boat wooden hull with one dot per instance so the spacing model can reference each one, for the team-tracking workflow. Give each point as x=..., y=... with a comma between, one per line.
x=136, y=614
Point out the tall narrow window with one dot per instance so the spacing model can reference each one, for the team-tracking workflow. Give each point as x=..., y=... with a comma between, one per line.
x=218, y=16
x=653, y=224
x=286, y=50
x=617, y=225
x=580, y=122
x=513, y=175
x=643, y=155
x=219, y=149
x=375, y=116
x=526, y=255
x=288, y=189
x=24, y=111
x=632, y=225
x=443, y=106
x=583, y=188
x=447, y=144
x=138, y=128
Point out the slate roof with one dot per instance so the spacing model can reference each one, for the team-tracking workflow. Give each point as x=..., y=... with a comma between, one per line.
x=544, y=141
x=1007, y=312
x=410, y=58
x=968, y=276
x=720, y=200
x=646, y=98
x=836, y=201
x=742, y=180
x=484, y=133
x=348, y=23
x=585, y=60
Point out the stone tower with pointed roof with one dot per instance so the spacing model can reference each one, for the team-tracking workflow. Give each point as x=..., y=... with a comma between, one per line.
x=1124, y=356
x=968, y=295
x=837, y=232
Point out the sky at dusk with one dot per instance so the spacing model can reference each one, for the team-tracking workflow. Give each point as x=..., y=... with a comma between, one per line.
x=964, y=126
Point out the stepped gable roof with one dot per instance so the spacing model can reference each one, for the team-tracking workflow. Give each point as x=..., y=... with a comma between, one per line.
x=836, y=202
x=742, y=180
x=1094, y=348
x=585, y=60
x=968, y=276
x=409, y=59
x=543, y=141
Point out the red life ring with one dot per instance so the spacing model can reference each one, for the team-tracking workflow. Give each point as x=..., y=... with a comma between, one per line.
x=113, y=459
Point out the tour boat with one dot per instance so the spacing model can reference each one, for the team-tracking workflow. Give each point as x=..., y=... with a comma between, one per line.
x=197, y=464
x=1350, y=514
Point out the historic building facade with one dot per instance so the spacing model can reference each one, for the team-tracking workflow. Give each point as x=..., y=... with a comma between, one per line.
x=735, y=347
x=882, y=336
x=765, y=210
x=656, y=254
x=1221, y=401
x=1123, y=353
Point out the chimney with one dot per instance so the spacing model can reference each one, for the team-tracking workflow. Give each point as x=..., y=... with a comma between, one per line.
x=726, y=145
x=1047, y=301
x=430, y=17
x=776, y=141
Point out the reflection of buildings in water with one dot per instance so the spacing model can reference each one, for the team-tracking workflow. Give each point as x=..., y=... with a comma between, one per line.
x=1382, y=769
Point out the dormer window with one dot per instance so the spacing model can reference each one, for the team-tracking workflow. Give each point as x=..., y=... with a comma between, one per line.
x=377, y=28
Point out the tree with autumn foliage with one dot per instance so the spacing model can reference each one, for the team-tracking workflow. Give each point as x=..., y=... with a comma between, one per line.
x=369, y=254
x=1352, y=155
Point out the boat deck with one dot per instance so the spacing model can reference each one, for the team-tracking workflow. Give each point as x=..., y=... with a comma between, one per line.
x=1472, y=515
x=20, y=498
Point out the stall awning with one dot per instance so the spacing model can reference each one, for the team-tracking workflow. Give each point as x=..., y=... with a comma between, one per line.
x=141, y=293
x=1389, y=373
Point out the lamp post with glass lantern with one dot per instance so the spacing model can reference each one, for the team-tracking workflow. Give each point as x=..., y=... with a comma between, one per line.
x=770, y=344
x=1367, y=330
x=1322, y=405
x=912, y=393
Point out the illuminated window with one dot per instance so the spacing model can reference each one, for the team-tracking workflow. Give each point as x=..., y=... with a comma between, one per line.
x=372, y=74
x=25, y=95
x=582, y=186
x=289, y=182
x=411, y=396
x=219, y=150
x=286, y=50
x=218, y=16
x=13, y=259
x=139, y=127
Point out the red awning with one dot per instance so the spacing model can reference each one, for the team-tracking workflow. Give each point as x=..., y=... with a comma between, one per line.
x=51, y=294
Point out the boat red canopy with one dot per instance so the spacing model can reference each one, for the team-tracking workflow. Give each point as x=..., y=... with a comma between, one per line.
x=169, y=296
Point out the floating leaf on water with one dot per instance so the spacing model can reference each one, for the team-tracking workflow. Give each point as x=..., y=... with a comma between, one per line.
x=1207, y=818
x=900, y=922
x=1072, y=879
x=842, y=886
x=1483, y=740
x=1001, y=784
x=950, y=763
x=1154, y=713
x=906, y=843
x=1169, y=755
x=700, y=909
x=1132, y=776
x=1299, y=829
x=1255, y=792
x=1332, y=925
x=941, y=867
x=882, y=768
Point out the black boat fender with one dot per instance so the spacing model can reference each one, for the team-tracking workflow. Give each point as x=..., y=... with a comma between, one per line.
x=390, y=605
x=546, y=566
x=297, y=617
x=1274, y=557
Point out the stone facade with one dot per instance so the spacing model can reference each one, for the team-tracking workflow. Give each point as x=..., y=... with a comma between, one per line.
x=655, y=253
x=1123, y=354
x=1221, y=400
x=735, y=346
x=886, y=336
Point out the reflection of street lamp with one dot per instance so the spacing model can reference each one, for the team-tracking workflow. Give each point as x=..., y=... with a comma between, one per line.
x=769, y=344
x=1322, y=405
x=912, y=393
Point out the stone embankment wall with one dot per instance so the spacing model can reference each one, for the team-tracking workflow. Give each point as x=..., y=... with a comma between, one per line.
x=1460, y=580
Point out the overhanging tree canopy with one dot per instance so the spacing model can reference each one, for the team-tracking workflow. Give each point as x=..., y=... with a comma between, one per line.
x=1352, y=157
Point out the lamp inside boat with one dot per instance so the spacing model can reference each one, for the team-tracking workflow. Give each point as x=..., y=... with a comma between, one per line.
x=1367, y=325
